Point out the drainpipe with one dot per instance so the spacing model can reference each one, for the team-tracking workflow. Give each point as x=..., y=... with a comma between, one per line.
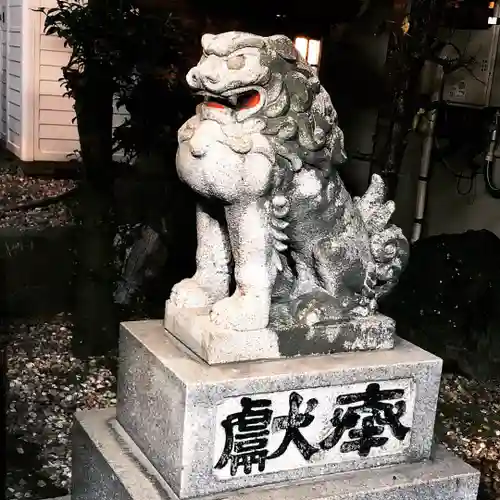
x=423, y=177
x=491, y=159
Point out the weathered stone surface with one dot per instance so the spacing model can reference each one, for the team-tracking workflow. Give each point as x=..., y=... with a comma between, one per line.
x=273, y=214
x=173, y=405
x=216, y=345
x=108, y=465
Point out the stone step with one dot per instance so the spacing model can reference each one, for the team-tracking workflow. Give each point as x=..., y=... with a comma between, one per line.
x=311, y=416
x=107, y=465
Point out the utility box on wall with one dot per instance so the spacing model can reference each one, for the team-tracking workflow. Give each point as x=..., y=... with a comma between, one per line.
x=472, y=84
x=473, y=41
x=37, y=120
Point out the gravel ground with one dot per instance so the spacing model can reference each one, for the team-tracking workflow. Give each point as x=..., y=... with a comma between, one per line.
x=16, y=189
x=468, y=423
x=54, y=215
x=47, y=385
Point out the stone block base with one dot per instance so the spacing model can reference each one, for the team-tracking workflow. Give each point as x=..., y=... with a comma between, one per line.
x=217, y=345
x=107, y=465
x=209, y=429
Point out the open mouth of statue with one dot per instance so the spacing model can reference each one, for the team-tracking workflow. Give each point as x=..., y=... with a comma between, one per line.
x=244, y=100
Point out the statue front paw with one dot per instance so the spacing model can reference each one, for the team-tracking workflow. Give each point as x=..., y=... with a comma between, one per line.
x=189, y=293
x=241, y=313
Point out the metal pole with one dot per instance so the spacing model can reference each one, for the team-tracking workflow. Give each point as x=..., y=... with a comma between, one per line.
x=423, y=177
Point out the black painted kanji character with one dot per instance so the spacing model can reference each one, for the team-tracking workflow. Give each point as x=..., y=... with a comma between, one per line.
x=366, y=438
x=375, y=402
x=341, y=421
x=380, y=414
x=248, y=445
x=291, y=424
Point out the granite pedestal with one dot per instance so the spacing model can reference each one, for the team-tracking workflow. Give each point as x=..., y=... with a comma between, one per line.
x=108, y=465
x=342, y=426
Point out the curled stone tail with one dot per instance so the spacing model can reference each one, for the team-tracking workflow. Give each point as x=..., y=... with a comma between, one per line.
x=388, y=245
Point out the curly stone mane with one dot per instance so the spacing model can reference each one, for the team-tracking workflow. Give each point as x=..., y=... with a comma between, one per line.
x=300, y=118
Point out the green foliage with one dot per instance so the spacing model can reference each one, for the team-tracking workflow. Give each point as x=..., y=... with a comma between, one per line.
x=140, y=53
x=154, y=92
x=91, y=37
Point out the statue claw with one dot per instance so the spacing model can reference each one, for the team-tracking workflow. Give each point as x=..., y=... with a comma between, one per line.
x=189, y=294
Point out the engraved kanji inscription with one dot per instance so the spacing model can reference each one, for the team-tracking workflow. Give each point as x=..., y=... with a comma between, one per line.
x=292, y=423
x=365, y=420
x=246, y=436
x=319, y=426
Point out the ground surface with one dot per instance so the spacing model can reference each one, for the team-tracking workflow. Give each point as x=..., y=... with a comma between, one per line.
x=47, y=385
x=19, y=194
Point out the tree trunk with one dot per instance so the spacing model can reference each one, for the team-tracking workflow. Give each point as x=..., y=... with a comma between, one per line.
x=95, y=315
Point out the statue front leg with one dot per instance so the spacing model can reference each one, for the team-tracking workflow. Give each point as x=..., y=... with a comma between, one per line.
x=255, y=271
x=210, y=283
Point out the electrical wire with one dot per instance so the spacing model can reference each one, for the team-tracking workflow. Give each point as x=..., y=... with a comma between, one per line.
x=420, y=44
x=449, y=66
x=460, y=177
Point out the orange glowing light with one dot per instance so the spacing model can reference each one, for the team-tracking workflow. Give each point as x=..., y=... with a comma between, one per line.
x=492, y=5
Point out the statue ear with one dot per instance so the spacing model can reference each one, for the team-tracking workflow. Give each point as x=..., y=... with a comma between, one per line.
x=283, y=46
x=206, y=40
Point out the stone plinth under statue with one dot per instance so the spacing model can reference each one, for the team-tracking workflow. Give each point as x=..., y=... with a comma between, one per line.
x=216, y=344
x=186, y=438
x=272, y=377
x=266, y=430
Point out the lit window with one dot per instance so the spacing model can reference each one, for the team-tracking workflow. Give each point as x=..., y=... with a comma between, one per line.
x=309, y=49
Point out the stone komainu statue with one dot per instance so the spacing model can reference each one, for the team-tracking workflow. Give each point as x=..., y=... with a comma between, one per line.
x=273, y=212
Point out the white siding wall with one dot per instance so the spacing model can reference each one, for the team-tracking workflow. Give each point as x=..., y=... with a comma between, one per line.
x=3, y=71
x=56, y=136
x=14, y=101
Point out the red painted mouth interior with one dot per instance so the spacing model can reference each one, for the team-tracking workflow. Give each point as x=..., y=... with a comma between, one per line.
x=246, y=100
x=214, y=104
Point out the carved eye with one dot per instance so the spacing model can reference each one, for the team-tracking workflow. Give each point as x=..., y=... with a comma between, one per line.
x=236, y=62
